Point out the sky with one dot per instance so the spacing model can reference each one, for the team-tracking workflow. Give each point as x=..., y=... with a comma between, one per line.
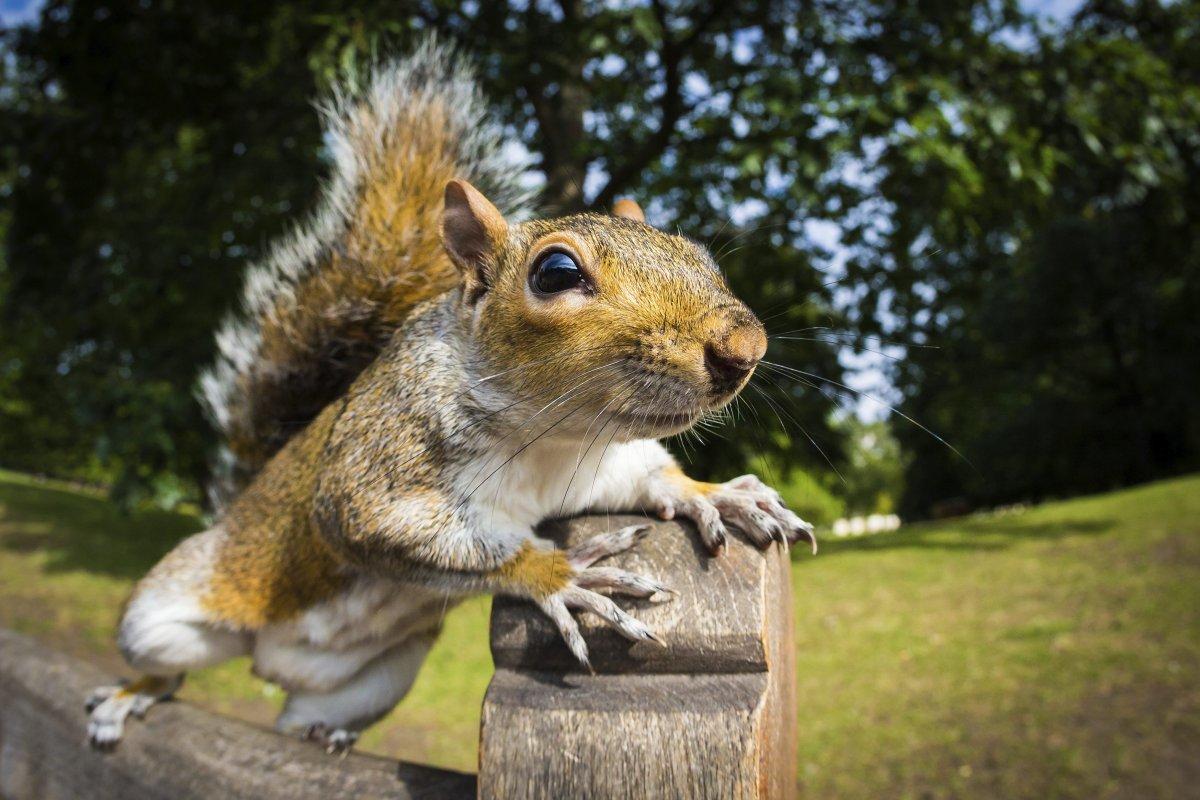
x=16, y=12
x=1059, y=9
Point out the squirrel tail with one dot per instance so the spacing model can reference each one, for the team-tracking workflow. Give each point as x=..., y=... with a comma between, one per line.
x=318, y=309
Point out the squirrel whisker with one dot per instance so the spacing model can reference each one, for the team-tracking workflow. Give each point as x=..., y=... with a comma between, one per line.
x=798, y=373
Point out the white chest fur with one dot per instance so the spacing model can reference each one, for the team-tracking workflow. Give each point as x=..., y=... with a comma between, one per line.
x=516, y=490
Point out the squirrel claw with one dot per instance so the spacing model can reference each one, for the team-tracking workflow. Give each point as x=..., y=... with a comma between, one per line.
x=98, y=696
x=588, y=552
x=752, y=507
x=109, y=706
x=336, y=741
x=579, y=594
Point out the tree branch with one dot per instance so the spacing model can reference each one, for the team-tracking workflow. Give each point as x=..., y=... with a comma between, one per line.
x=559, y=115
x=673, y=108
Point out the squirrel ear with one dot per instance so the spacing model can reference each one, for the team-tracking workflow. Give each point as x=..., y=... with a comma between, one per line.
x=473, y=230
x=628, y=209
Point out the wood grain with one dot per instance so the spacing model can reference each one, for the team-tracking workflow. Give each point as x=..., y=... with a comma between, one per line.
x=711, y=715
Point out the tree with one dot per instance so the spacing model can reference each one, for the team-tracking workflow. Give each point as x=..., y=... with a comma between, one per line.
x=138, y=191
x=1042, y=234
x=131, y=218
x=874, y=469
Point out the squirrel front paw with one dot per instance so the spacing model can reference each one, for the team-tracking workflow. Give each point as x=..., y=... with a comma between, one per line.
x=582, y=591
x=744, y=502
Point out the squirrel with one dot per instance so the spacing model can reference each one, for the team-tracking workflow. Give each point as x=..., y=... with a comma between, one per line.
x=414, y=382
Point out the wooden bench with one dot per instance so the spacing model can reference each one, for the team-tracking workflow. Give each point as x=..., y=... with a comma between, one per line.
x=709, y=715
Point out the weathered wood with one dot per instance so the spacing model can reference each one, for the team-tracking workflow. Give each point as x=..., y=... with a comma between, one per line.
x=176, y=752
x=712, y=714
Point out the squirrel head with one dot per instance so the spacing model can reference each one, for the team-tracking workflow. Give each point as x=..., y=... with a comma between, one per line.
x=600, y=320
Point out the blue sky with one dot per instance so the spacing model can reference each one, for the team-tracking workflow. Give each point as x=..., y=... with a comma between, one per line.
x=15, y=12
x=1053, y=8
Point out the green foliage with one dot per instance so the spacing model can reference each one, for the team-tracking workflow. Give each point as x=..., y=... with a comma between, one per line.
x=809, y=497
x=873, y=475
x=1043, y=236
x=137, y=187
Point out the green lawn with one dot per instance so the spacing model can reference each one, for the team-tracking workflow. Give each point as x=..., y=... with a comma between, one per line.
x=1049, y=653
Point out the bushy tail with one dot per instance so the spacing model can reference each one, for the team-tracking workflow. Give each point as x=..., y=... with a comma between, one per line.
x=318, y=309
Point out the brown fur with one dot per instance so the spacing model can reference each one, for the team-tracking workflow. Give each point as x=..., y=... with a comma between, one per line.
x=393, y=350
x=272, y=564
x=536, y=573
x=146, y=684
x=659, y=300
x=347, y=307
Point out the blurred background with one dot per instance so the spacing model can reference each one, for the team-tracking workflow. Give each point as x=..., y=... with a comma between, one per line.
x=972, y=228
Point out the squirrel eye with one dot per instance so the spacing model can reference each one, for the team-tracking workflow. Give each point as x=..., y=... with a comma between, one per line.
x=555, y=272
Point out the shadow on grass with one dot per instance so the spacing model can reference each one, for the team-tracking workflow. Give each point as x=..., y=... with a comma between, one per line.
x=86, y=533
x=968, y=535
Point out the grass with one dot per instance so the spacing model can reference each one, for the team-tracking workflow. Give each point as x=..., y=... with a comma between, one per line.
x=1049, y=653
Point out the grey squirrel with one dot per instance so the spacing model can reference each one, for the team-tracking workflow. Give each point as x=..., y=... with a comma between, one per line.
x=411, y=387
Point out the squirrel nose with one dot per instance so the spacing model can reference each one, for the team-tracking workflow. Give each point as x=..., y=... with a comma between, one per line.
x=731, y=358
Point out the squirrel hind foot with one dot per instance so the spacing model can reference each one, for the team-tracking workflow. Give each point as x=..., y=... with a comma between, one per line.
x=109, y=706
x=336, y=741
x=107, y=710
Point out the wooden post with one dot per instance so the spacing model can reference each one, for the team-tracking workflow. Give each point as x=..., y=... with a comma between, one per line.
x=711, y=715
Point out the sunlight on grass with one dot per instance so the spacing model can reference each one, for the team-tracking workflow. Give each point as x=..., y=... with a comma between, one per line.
x=1048, y=653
